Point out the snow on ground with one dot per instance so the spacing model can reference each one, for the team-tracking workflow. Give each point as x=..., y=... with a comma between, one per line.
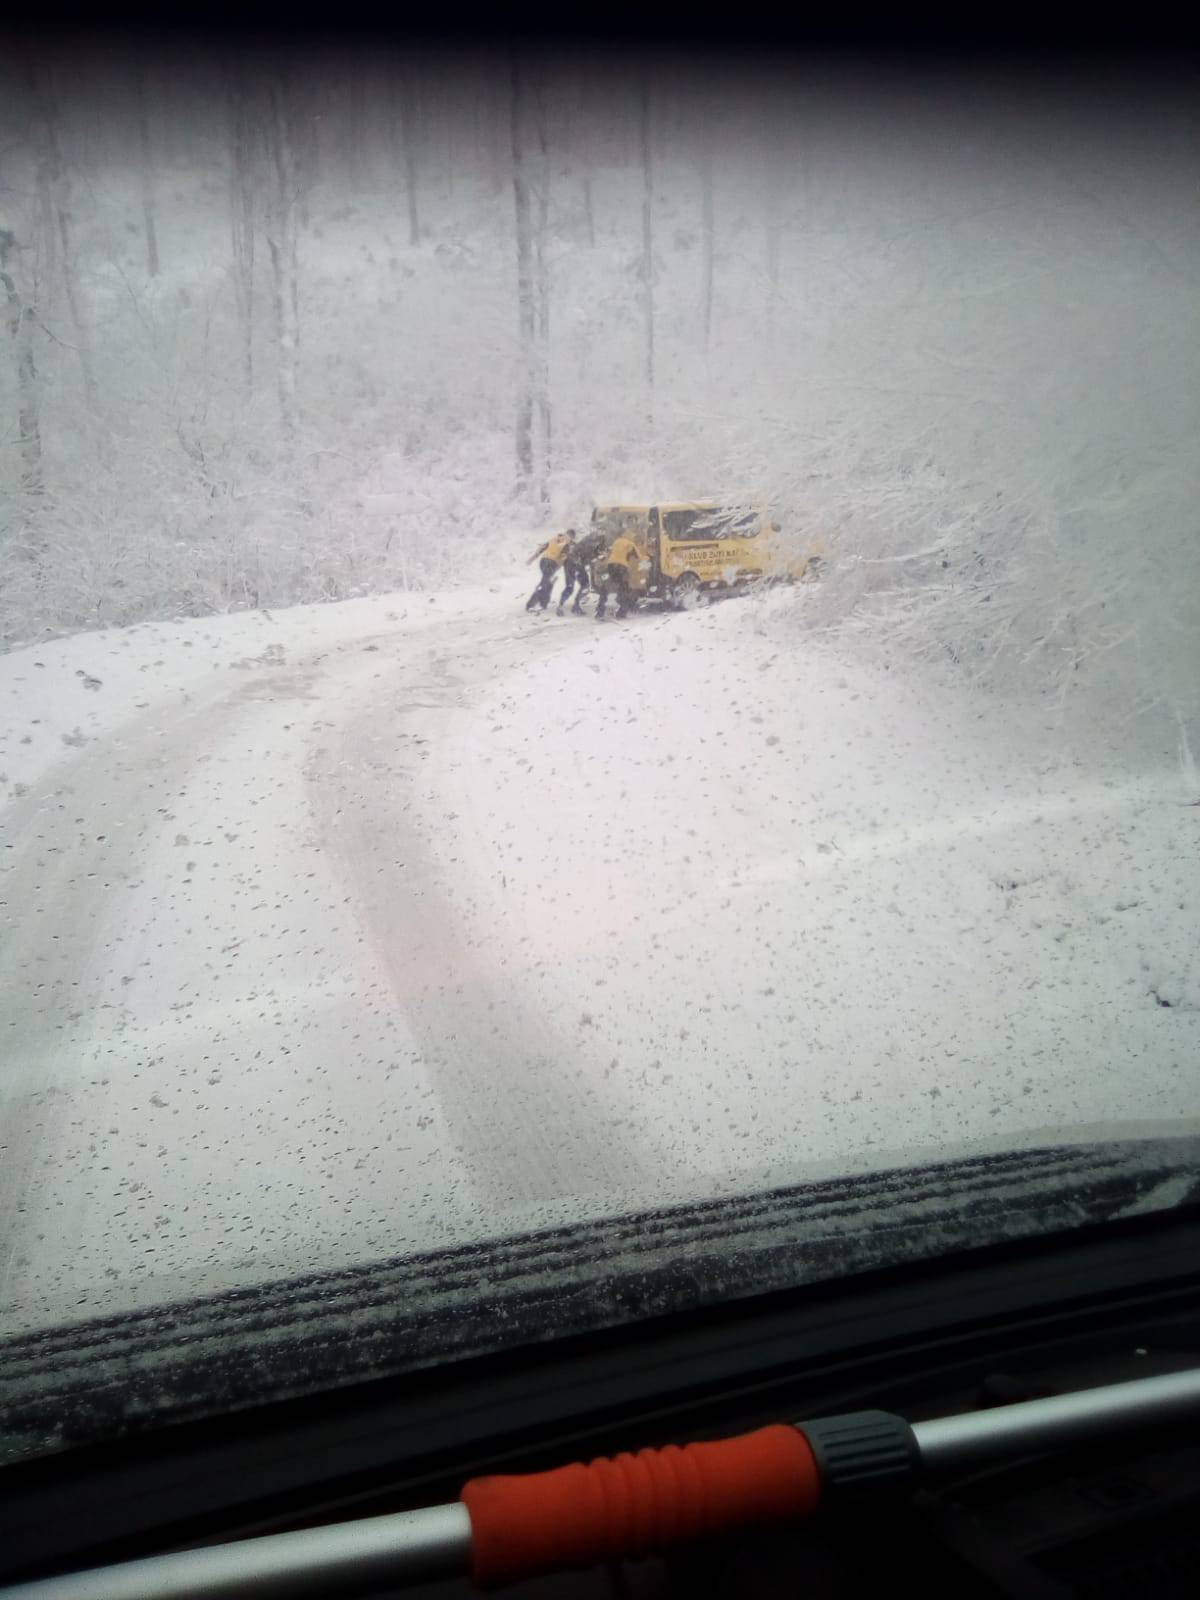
x=60, y=695
x=805, y=915
x=357, y=929
x=198, y=1056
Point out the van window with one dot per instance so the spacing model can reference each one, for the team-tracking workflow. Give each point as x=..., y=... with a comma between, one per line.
x=721, y=524
x=613, y=521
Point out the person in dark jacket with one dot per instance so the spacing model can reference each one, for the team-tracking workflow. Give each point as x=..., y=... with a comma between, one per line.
x=552, y=554
x=576, y=569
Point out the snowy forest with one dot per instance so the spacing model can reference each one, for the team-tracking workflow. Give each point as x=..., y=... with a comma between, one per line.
x=283, y=328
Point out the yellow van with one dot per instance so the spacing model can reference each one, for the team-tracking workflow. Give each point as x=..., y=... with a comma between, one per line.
x=697, y=545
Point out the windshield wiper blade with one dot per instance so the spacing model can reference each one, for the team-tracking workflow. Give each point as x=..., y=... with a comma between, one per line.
x=123, y=1373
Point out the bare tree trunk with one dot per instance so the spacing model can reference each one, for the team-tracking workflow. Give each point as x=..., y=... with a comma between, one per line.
x=525, y=285
x=773, y=252
x=147, y=177
x=483, y=123
x=706, y=178
x=242, y=220
x=647, y=273
x=583, y=153
x=20, y=326
x=496, y=111
x=304, y=146
x=543, y=300
x=295, y=186
x=294, y=277
x=408, y=122
x=354, y=95
x=482, y=146
x=281, y=243
x=58, y=196
x=773, y=204
x=47, y=236
x=82, y=332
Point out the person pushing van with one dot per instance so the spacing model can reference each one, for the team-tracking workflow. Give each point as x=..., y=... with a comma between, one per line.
x=616, y=573
x=553, y=553
x=579, y=558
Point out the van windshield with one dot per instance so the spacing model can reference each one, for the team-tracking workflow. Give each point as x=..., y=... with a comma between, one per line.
x=720, y=524
x=615, y=520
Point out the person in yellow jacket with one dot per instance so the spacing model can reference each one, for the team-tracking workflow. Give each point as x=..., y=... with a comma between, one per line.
x=616, y=573
x=553, y=553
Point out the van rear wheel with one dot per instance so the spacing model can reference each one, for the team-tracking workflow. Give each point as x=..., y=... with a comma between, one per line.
x=687, y=594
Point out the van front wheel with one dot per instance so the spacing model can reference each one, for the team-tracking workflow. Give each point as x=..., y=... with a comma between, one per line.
x=687, y=594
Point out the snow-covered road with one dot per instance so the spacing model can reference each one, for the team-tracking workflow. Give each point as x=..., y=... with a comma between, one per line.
x=226, y=965
x=371, y=927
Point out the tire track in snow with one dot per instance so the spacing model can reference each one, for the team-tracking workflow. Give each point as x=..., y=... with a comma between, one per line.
x=537, y=1138
x=69, y=847
x=77, y=841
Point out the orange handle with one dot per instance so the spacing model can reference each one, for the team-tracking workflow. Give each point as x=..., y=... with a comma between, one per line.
x=578, y=1515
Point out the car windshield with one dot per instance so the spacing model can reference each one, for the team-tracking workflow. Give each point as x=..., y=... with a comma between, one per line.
x=383, y=877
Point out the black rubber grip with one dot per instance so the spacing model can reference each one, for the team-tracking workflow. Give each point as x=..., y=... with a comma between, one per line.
x=863, y=1452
